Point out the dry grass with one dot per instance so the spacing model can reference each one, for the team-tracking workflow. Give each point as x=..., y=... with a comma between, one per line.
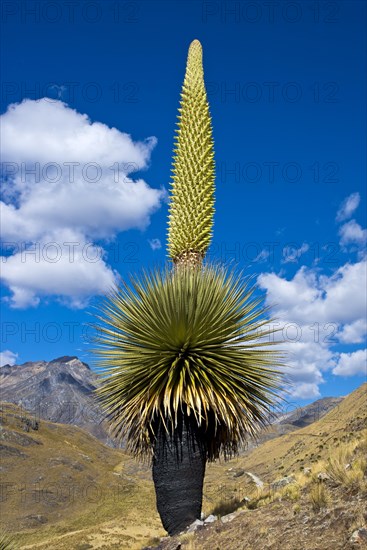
x=188, y=541
x=362, y=444
x=291, y=492
x=348, y=467
x=7, y=542
x=336, y=466
x=95, y=494
x=360, y=518
x=291, y=453
x=281, y=518
x=319, y=496
x=226, y=506
x=128, y=522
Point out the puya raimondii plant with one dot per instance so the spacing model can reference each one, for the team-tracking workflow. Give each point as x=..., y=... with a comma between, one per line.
x=187, y=370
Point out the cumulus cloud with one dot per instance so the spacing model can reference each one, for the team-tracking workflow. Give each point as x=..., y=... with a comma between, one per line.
x=309, y=297
x=348, y=206
x=8, y=357
x=352, y=233
x=50, y=131
x=64, y=266
x=315, y=312
x=307, y=361
x=155, y=244
x=353, y=333
x=304, y=390
x=66, y=178
x=351, y=364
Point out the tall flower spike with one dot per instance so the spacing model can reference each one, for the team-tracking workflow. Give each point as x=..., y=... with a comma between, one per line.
x=191, y=209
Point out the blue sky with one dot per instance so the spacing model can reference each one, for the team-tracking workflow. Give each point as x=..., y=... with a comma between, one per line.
x=95, y=85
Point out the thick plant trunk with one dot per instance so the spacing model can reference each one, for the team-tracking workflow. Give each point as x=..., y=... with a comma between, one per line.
x=178, y=475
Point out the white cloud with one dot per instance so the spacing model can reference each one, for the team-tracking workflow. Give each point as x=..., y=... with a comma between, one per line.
x=50, y=131
x=8, y=357
x=287, y=295
x=352, y=233
x=155, y=244
x=347, y=207
x=353, y=333
x=306, y=391
x=309, y=298
x=293, y=254
x=315, y=311
x=306, y=362
x=82, y=191
x=42, y=132
x=351, y=364
x=71, y=273
x=262, y=256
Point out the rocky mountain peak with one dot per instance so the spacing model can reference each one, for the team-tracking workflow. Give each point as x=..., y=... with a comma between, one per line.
x=69, y=360
x=61, y=390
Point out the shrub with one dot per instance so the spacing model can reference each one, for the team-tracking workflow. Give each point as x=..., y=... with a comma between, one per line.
x=226, y=506
x=336, y=467
x=292, y=492
x=319, y=496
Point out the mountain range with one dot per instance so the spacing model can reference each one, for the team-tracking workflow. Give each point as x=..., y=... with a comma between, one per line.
x=62, y=390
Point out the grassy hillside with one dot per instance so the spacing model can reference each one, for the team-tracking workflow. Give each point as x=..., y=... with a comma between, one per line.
x=63, y=489
x=59, y=480
x=293, y=451
x=306, y=514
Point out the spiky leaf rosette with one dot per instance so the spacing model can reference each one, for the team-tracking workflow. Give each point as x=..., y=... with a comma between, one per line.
x=192, y=188
x=191, y=342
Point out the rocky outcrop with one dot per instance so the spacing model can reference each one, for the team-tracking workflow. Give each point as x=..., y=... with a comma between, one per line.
x=256, y=480
x=359, y=536
x=300, y=417
x=60, y=391
x=279, y=483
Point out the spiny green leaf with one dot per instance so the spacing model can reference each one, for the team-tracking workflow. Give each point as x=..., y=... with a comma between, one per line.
x=7, y=542
x=191, y=340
